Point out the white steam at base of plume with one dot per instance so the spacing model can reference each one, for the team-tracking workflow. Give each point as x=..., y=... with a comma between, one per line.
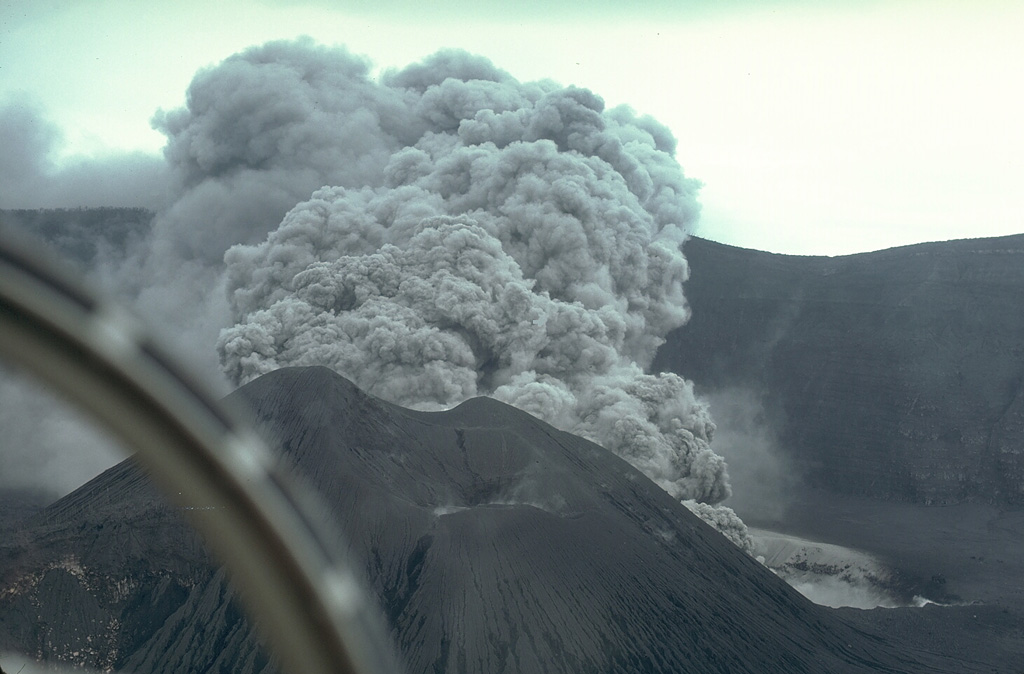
x=827, y=574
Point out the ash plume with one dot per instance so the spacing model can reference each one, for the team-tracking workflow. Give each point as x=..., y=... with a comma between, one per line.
x=467, y=234
x=265, y=128
x=524, y=245
x=727, y=522
x=33, y=176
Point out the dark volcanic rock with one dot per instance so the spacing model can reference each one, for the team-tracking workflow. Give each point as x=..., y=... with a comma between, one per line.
x=895, y=374
x=501, y=544
x=494, y=542
x=90, y=578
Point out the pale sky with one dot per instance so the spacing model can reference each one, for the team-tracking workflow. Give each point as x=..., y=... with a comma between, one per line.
x=817, y=127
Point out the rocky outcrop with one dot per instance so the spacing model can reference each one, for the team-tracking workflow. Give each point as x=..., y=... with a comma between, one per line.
x=896, y=374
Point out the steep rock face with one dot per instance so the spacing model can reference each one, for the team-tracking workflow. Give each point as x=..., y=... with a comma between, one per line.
x=895, y=374
x=494, y=543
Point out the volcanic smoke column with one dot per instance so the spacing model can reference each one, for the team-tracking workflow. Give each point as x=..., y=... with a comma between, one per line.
x=525, y=246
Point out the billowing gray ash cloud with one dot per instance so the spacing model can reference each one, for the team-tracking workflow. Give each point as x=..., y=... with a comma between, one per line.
x=32, y=177
x=484, y=236
x=467, y=234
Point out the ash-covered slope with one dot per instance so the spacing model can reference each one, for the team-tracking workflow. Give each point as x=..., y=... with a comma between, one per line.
x=501, y=544
x=494, y=542
x=896, y=374
x=103, y=574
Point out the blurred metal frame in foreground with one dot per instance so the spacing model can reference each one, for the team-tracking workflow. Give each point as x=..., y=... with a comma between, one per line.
x=306, y=602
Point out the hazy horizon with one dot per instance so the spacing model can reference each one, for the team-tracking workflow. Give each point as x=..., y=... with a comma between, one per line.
x=830, y=129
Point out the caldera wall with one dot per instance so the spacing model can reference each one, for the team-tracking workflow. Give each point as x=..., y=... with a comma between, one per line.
x=895, y=374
